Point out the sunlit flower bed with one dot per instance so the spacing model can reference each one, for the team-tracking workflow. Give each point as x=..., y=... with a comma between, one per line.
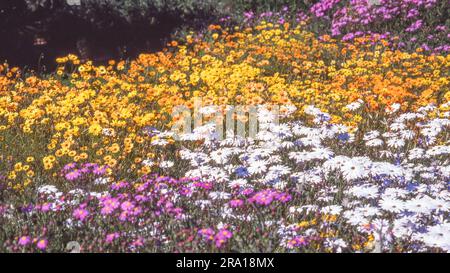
x=358, y=162
x=291, y=188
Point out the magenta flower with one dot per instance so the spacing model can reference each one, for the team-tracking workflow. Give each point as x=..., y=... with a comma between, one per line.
x=107, y=210
x=142, y=187
x=123, y=216
x=138, y=242
x=415, y=26
x=45, y=207
x=99, y=170
x=236, y=203
x=247, y=191
x=69, y=166
x=220, y=241
x=185, y=191
x=203, y=185
x=110, y=202
x=225, y=233
x=111, y=237
x=284, y=197
x=80, y=214
x=42, y=244
x=141, y=198
x=264, y=197
x=127, y=206
x=206, y=233
x=222, y=237
x=119, y=185
x=73, y=175
x=24, y=240
x=297, y=242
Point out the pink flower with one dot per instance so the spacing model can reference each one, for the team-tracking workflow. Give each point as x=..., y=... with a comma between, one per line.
x=73, y=175
x=123, y=216
x=296, y=242
x=127, y=206
x=119, y=185
x=45, y=207
x=107, y=210
x=225, y=233
x=206, y=233
x=112, y=202
x=247, y=191
x=220, y=241
x=69, y=166
x=203, y=185
x=42, y=244
x=111, y=237
x=109, y=205
x=264, y=197
x=99, y=170
x=136, y=211
x=141, y=198
x=138, y=242
x=185, y=191
x=80, y=214
x=222, y=237
x=24, y=240
x=284, y=197
x=236, y=203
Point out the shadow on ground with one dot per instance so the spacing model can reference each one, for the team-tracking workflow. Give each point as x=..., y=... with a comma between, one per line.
x=34, y=39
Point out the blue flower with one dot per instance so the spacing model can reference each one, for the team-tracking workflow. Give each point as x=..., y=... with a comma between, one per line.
x=298, y=143
x=412, y=186
x=343, y=137
x=241, y=171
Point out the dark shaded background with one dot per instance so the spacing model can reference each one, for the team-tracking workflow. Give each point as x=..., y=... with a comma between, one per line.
x=34, y=37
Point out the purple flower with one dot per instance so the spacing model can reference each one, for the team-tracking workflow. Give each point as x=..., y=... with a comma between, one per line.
x=123, y=216
x=111, y=237
x=264, y=197
x=297, y=242
x=222, y=237
x=236, y=203
x=24, y=240
x=119, y=185
x=42, y=244
x=320, y=8
x=138, y=242
x=69, y=166
x=415, y=26
x=248, y=15
x=412, y=13
x=99, y=170
x=247, y=191
x=225, y=233
x=80, y=214
x=284, y=197
x=107, y=210
x=206, y=233
x=185, y=191
x=127, y=206
x=45, y=207
x=110, y=202
x=73, y=175
x=348, y=37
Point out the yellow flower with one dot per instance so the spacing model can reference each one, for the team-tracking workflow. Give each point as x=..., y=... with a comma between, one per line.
x=95, y=129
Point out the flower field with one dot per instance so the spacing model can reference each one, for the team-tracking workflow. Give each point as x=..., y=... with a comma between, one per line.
x=355, y=159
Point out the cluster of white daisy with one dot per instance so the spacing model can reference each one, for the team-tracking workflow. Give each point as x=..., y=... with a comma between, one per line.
x=390, y=182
